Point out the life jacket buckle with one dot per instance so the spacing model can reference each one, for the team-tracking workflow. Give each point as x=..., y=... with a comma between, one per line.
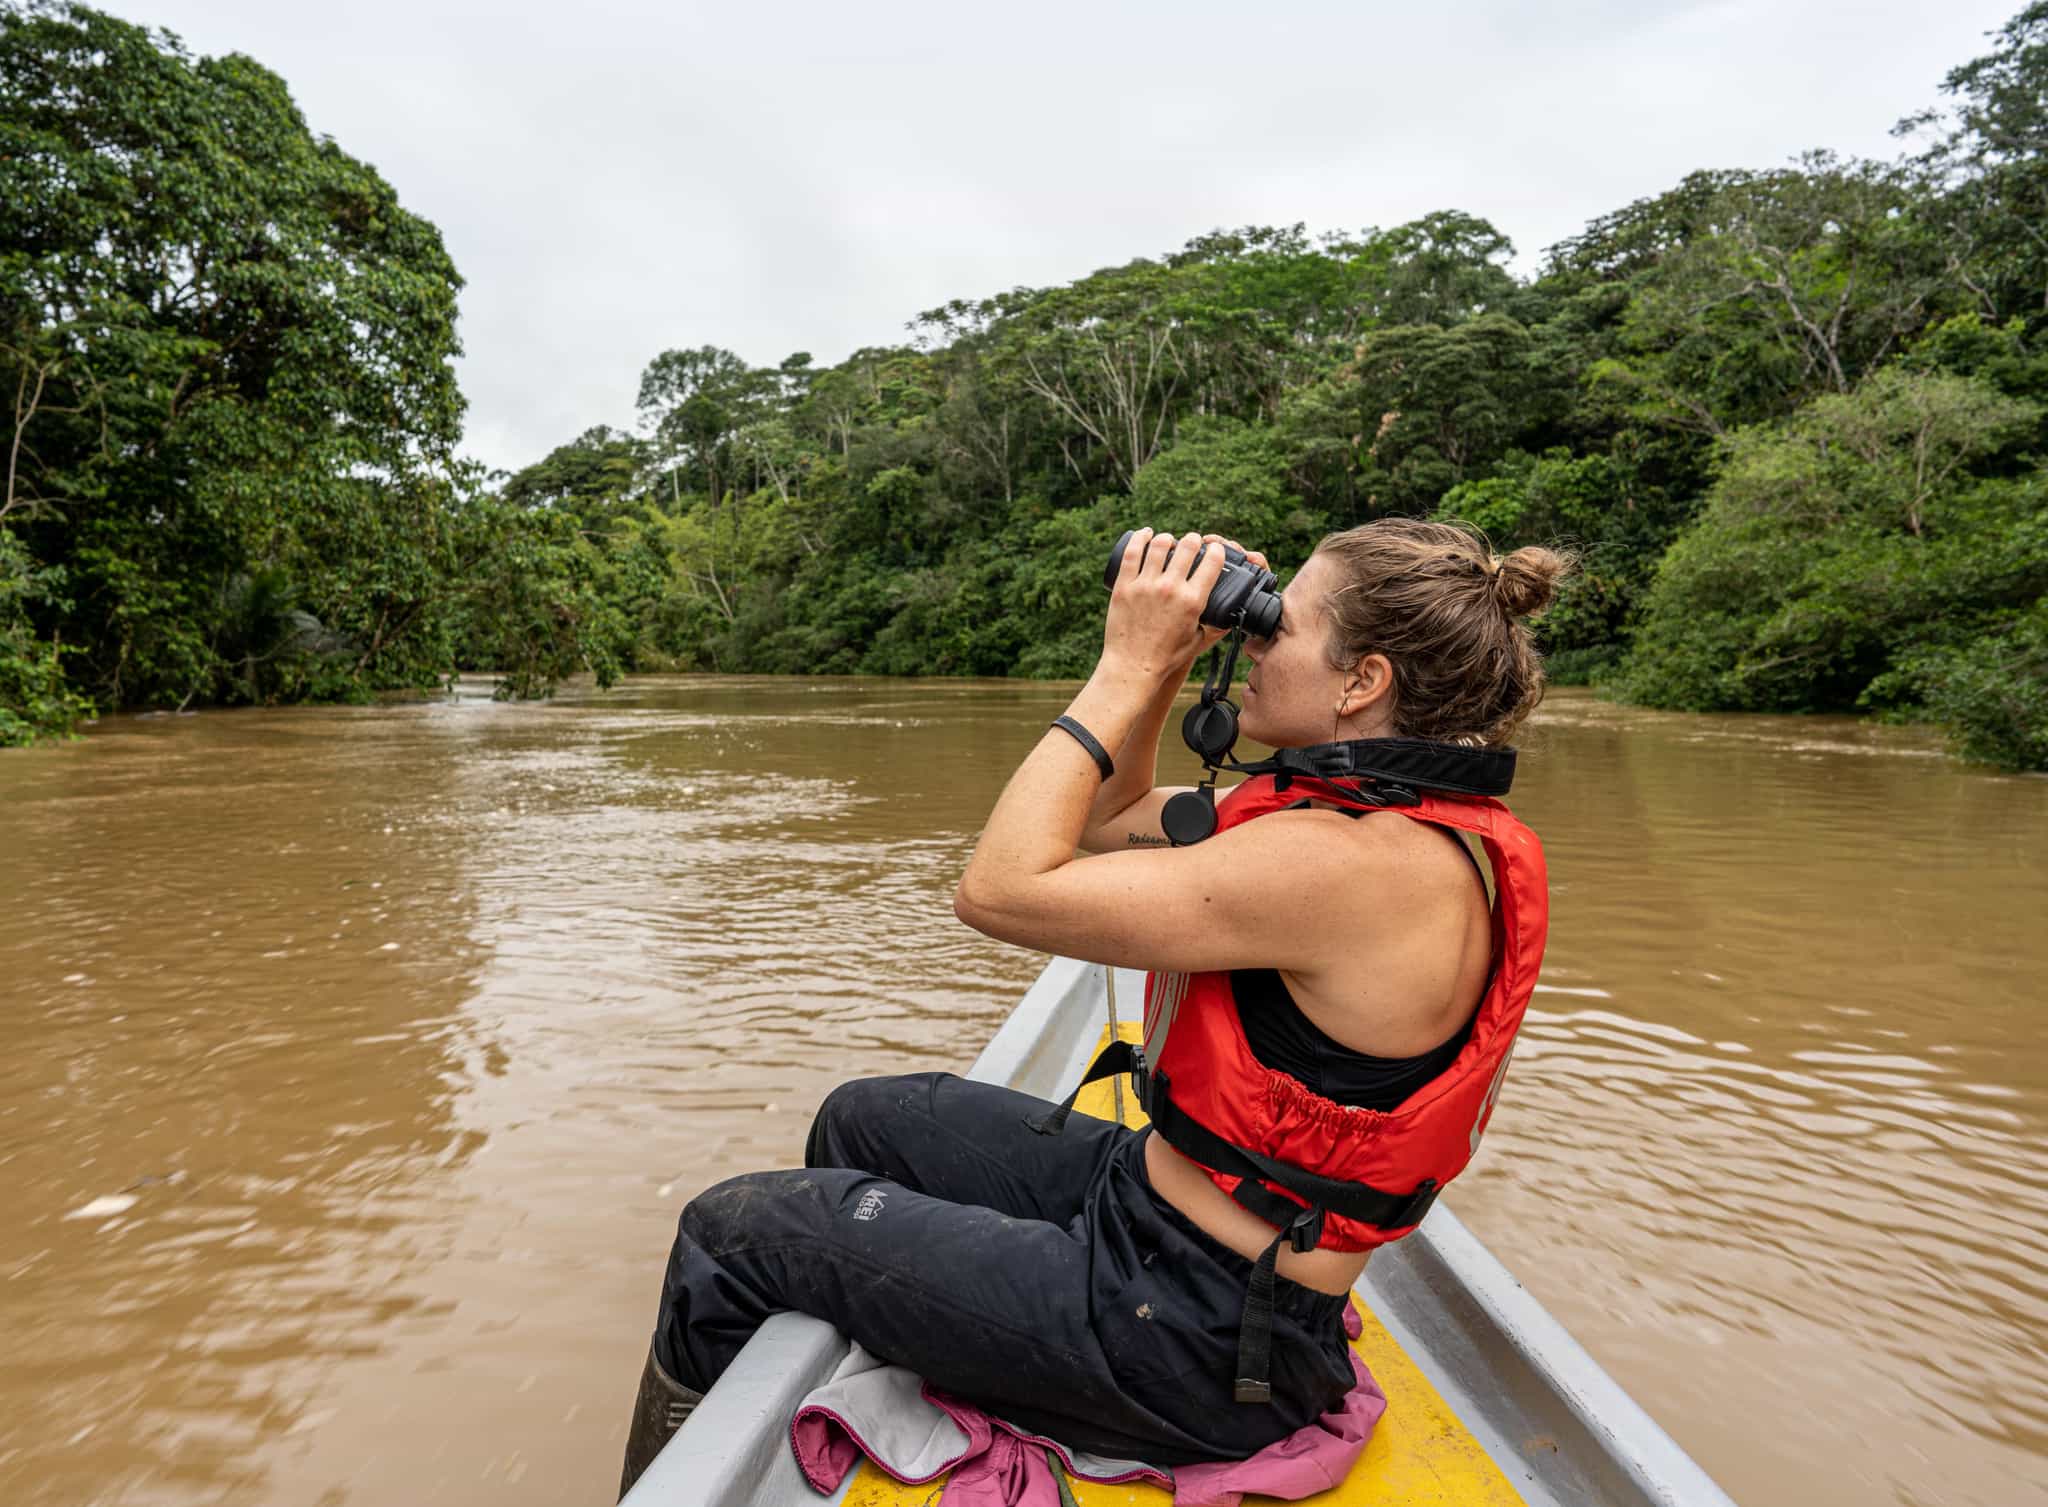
x=1249, y=1390
x=1141, y=1081
x=1419, y=1203
x=1305, y=1231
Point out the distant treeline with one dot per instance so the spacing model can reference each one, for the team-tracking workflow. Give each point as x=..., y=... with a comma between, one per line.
x=1794, y=419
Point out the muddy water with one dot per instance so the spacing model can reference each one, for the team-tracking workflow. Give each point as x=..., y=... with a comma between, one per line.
x=358, y=1061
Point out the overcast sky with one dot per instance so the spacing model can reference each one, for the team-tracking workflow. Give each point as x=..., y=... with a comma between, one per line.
x=617, y=178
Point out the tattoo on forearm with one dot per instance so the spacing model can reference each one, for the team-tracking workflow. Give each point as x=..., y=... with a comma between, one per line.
x=1145, y=840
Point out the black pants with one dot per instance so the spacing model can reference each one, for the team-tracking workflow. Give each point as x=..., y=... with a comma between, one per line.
x=1038, y=1276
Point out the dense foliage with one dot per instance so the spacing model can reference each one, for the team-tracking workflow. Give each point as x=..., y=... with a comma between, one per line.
x=1792, y=418
x=226, y=362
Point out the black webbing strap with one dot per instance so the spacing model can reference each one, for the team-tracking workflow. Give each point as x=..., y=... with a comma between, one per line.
x=1117, y=1057
x=1277, y=1211
x=1255, y=1329
x=1359, y=1201
x=1301, y=1228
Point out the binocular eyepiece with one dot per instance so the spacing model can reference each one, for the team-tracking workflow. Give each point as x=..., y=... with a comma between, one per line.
x=1244, y=595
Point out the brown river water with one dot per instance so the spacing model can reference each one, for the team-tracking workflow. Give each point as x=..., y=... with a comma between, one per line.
x=358, y=1061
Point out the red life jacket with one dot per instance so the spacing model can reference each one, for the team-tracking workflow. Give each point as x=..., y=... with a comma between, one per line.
x=1212, y=1100
x=1324, y=1173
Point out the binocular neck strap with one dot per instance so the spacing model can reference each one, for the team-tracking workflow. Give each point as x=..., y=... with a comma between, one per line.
x=1225, y=658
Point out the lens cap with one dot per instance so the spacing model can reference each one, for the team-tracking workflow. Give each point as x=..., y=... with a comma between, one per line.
x=1210, y=729
x=1190, y=816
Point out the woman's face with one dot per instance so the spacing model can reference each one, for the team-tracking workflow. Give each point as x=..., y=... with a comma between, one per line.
x=1291, y=695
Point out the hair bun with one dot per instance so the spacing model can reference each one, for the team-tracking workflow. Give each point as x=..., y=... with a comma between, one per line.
x=1526, y=581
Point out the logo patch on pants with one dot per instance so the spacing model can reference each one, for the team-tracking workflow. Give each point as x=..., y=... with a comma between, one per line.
x=870, y=1205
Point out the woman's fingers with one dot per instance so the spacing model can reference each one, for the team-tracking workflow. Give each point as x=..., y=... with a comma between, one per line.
x=1162, y=557
x=1206, y=574
x=1250, y=554
x=1160, y=552
x=1156, y=549
x=1134, y=555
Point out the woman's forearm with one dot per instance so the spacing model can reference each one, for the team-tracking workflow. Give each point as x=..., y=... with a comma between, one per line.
x=1149, y=639
x=1042, y=812
x=1137, y=761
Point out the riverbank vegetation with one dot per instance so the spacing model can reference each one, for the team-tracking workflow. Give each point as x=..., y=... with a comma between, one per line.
x=1794, y=418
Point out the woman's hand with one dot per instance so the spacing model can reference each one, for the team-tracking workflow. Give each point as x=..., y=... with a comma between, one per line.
x=1154, y=627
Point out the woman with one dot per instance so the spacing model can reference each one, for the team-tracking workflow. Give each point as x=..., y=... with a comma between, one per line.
x=1318, y=973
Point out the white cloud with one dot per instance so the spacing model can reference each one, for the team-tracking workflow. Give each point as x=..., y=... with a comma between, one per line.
x=614, y=179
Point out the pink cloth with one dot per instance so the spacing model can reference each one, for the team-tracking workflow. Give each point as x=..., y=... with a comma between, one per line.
x=918, y=1437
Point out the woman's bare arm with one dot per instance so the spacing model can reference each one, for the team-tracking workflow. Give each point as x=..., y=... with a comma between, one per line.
x=1293, y=890
x=1271, y=892
x=1125, y=812
x=1137, y=825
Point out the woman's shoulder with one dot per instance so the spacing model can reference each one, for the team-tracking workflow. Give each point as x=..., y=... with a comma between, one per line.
x=1408, y=868
x=1358, y=874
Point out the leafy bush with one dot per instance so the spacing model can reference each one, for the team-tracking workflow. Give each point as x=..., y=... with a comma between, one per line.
x=36, y=701
x=1866, y=554
x=1832, y=540
x=1990, y=694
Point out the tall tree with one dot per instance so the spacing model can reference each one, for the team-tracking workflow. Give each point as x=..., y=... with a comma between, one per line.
x=694, y=402
x=1993, y=164
x=230, y=352
x=1418, y=409
x=1750, y=293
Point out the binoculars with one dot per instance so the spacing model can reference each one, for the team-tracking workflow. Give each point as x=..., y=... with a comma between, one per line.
x=1244, y=595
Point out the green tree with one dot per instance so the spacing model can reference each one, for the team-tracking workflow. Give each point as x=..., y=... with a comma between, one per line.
x=1442, y=269
x=36, y=698
x=1991, y=692
x=1751, y=293
x=595, y=475
x=1417, y=410
x=539, y=600
x=1992, y=169
x=1106, y=357
x=1838, y=543
x=1224, y=476
x=695, y=402
x=230, y=356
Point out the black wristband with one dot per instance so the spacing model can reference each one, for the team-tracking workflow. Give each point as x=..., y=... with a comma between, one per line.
x=1086, y=739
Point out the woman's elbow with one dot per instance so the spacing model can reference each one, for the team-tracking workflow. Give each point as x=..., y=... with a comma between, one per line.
x=972, y=903
x=985, y=907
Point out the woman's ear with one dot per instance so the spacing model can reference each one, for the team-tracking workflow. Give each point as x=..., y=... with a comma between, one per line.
x=1371, y=684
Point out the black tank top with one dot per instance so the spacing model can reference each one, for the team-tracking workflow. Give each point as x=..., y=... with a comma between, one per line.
x=1287, y=1041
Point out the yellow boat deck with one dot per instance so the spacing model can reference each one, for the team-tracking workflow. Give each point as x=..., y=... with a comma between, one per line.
x=1420, y=1454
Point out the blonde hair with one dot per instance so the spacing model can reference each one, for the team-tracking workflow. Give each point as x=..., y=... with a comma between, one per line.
x=1448, y=614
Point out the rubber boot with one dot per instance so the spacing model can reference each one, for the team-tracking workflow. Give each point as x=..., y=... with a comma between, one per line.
x=661, y=1408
